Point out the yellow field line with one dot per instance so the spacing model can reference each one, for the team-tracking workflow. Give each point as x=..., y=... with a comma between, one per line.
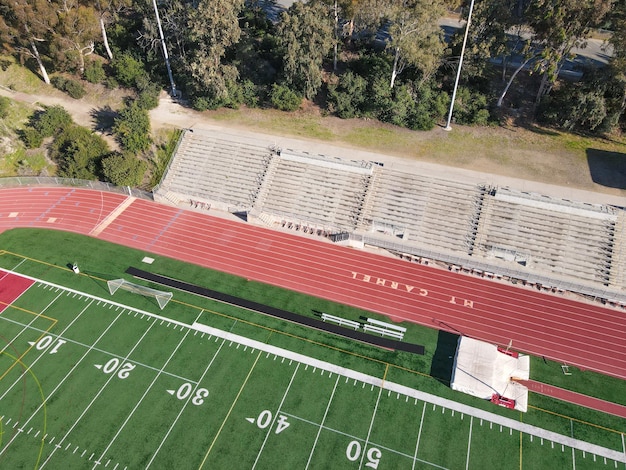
x=43, y=401
x=576, y=419
x=230, y=410
x=54, y=322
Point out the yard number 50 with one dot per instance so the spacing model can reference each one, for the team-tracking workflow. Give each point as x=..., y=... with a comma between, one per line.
x=353, y=452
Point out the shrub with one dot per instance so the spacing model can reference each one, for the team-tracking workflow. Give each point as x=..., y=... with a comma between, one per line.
x=128, y=70
x=132, y=127
x=52, y=120
x=148, y=95
x=346, y=99
x=111, y=83
x=284, y=98
x=249, y=94
x=32, y=138
x=78, y=151
x=203, y=103
x=123, y=169
x=69, y=86
x=94, y=72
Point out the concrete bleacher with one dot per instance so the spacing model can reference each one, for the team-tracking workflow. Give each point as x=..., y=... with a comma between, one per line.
x=324, y=192
x=551, y=235
x=424, y=210
x=215, y=170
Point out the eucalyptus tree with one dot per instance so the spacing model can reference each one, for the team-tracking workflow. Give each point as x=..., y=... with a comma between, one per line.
x=415, y=38
x=305, y=35
x=26, y=26
x=213, y=28
x=558, y=26
x=618, y=60
x=76, y=33
x=108, y=11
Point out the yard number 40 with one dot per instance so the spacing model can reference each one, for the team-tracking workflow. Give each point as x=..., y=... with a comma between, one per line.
x=353, y=452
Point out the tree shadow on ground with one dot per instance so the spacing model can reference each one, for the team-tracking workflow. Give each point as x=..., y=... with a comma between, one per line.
x=607, y=168
x=443, y=359
x=103, y=119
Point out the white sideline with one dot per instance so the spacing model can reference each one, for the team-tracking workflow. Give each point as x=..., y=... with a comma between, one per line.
x=423, y=396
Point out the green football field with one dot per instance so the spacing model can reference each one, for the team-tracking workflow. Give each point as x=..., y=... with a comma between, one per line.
x=90, y=380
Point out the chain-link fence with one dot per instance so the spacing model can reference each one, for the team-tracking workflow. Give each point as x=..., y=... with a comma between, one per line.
x=54, y=181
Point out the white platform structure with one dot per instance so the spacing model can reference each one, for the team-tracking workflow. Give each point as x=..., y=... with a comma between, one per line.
x=481, y=370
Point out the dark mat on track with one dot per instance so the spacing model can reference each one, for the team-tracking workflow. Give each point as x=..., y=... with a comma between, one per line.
x=276, y=312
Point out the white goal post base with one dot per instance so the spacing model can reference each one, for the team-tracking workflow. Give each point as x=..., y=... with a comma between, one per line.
x=161, y=297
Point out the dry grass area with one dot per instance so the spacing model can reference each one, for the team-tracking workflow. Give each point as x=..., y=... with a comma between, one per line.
x=535, y=154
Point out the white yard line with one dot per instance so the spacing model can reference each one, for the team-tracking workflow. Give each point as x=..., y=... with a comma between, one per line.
x=99, y=460
x=93, y=400
x=232, y=406
x=419, y=395
x=469, y=444
x=419, y=436
x=43, y=353
x=60, y=383
x=369, y=431
x=269, y=429
x=321, y=426
x=358, y=438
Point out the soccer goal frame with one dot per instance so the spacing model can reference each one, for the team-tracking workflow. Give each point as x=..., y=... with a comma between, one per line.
x=161, y=297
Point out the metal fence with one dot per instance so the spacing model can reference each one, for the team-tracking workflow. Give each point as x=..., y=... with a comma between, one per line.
x=54, y=181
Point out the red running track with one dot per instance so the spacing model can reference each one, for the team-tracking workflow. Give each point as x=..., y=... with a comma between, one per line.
x=574, y=397
x=579, y=334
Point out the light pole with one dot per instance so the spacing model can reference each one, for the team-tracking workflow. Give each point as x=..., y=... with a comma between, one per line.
x=167, y=58
x=458, y=72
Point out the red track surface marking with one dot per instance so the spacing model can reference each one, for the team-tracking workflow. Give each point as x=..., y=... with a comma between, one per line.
x=11, y=287
x=583, y=335
x=577, y=398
